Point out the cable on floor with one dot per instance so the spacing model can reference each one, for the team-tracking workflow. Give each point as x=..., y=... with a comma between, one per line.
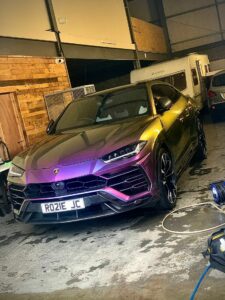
x=192, y=206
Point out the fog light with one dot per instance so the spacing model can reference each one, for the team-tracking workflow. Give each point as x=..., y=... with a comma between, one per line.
x=218, y=191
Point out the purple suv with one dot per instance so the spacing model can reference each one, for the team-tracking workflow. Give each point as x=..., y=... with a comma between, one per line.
x=108, y=153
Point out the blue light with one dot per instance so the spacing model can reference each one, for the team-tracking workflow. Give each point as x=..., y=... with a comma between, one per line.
x=215, y=194
x=218, y=191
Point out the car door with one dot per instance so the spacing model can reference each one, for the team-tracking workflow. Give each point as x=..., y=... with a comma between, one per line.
x=175, y=120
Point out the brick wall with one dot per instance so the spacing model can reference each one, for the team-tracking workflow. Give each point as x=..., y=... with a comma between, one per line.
x=31, y=78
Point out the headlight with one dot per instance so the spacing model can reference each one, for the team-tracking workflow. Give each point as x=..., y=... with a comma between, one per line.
x=15, y=171
x=124, y=152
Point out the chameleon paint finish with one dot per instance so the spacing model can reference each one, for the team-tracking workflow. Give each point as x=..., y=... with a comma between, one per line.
x=74, y=154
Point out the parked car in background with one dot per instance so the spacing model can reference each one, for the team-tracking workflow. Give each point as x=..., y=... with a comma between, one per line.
x=107, y=153
x=216, y=93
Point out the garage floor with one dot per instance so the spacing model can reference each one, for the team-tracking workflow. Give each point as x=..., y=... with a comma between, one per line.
x=123, y=257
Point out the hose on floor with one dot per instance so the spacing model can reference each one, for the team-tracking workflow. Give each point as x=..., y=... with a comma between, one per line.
x=192, y=206
x=200, y=281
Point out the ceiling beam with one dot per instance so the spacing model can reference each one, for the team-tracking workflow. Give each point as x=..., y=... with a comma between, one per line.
x=28, y=47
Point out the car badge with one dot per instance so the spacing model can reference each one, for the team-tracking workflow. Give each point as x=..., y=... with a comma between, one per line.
x=56, y=171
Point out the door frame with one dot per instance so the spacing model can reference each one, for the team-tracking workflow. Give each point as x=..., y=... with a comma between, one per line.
x=19, y=120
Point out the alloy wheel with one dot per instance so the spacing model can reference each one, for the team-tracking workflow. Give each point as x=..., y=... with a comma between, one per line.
x=168, y=177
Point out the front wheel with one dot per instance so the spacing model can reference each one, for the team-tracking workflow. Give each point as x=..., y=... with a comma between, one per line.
x=166, y=180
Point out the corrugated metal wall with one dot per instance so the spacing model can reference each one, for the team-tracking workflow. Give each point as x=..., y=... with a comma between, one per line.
x=194, y=23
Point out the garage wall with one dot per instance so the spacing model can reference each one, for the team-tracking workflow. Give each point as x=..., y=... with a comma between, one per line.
x=30, y=78
x=25, y=19
x=217, y=64
x=93, y=22
x=90, y=22
x=145, y=10
x=194, y=23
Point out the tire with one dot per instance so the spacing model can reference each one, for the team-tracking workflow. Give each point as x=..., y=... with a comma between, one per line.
x=4, y=203
x=166, y=180
x=201, y=152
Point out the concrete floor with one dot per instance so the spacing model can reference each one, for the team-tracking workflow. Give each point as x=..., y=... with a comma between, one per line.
x=124, y=257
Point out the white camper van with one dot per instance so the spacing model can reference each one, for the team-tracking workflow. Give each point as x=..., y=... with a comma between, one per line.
x=186, y=74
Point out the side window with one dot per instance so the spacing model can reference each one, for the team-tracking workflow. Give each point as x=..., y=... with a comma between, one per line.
x=178, y=80
x=160, y=90
x=194, y=76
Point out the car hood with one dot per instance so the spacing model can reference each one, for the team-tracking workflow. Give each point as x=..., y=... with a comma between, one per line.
x=77, y=146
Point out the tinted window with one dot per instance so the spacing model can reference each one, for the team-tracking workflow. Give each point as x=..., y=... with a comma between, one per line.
x=194, y=76
x=122, y=104
x=178, y=80
x=160, y=90
x=219, y=80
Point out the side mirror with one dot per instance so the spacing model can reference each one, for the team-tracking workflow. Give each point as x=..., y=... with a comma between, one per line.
x=50, y=126
x=164, y=104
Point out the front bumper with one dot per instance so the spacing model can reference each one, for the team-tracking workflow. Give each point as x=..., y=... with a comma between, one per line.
x=116, y=193
x=96, y=206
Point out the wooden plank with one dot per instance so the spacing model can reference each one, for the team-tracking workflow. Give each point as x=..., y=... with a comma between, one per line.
x=32, y=78
x=10, y=124
x=20, y=122
x=149, y=37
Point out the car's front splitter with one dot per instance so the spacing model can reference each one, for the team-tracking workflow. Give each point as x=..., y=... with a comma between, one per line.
x=96, y=206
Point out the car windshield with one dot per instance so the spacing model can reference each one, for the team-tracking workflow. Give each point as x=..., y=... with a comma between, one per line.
x=109, y=107
x=219, y=80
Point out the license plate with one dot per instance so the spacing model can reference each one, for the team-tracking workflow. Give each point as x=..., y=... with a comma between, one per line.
x=68, y=205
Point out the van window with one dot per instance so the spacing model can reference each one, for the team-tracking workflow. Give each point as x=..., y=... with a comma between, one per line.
x=219, y=80
x=194, y=76
x=178, y=80
x=206, y=68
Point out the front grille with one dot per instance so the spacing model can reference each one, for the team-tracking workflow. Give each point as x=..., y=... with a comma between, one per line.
x=71, y=186
x=17, y=195
x=130, y=182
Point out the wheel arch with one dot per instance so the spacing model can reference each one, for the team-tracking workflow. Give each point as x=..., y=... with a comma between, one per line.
x=160, y=143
